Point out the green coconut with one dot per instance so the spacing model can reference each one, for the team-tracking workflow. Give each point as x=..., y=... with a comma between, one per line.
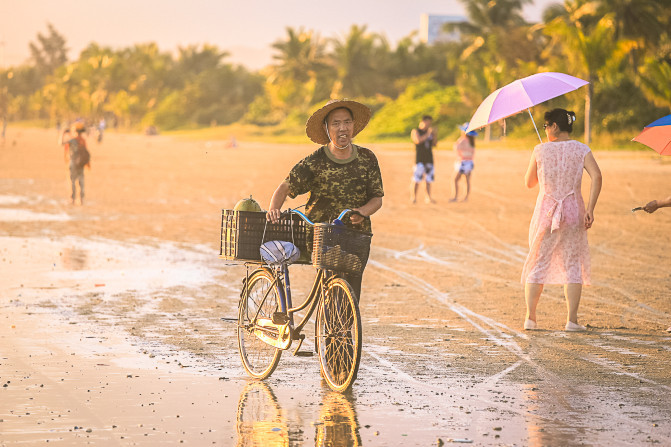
x=248, y=205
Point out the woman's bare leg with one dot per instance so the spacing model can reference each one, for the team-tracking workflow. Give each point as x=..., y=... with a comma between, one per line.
x=429, y=199
x=532, y=293
x=572, y=293
x=468, y=185
x=456, y=187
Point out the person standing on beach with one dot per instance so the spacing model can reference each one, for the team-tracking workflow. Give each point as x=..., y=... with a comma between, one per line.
x=653, y=206
x=425, y=138
x=465, y=149
x=339, y=175
x=76, y=152
x=558, y=248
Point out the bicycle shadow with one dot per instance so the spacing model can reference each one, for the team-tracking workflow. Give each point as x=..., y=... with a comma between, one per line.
x=261, y=420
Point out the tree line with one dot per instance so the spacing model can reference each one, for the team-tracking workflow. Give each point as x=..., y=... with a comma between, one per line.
x=622, y=47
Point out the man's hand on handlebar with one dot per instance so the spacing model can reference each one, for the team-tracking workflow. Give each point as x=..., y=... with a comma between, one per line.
x=356, y=217
x=273, y=215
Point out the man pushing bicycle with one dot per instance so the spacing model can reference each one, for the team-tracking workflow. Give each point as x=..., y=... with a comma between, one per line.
x=339, y=175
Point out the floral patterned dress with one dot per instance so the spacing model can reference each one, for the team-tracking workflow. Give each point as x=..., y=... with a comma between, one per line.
x=558, y=250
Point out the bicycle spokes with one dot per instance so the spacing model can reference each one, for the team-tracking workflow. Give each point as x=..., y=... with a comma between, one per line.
x=259, y=303
x=339, y=335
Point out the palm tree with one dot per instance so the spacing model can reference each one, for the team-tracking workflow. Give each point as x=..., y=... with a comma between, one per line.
x=496, y=40
x=489, y=26
x=301, y=68
x=49, y=52
x=193, y=59
x=413, y=58
x=655, y=79
x=361, y=60
x=300, y=56
x=588, y=43
x=639, y=20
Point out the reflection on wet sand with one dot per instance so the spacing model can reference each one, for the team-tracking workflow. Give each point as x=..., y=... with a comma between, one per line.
x=74, y=258
x=544, y=425
x=338, y=425
x=262, y=422
x=259, y=418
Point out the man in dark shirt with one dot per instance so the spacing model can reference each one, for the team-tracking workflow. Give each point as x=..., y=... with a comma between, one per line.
x=425, y=138
x=339, y=175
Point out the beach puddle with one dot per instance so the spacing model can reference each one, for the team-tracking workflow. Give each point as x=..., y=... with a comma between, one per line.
x=21, y=215
x=148, y=288
x=114, y=267
x=11, y=212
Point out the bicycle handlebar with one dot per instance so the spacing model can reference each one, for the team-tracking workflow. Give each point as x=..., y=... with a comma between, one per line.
x=308, y=221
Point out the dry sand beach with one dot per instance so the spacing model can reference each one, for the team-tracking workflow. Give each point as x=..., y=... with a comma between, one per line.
x=110, y=313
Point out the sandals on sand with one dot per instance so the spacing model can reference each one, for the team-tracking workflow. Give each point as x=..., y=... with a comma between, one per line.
x=529, y=325
x=574, y=327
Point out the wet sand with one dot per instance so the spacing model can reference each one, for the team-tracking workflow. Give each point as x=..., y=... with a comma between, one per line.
x=110, y=330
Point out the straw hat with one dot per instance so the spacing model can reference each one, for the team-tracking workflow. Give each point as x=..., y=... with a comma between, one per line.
x=314, y=128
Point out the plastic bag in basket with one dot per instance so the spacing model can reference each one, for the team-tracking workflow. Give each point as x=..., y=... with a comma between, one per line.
x=277, y=252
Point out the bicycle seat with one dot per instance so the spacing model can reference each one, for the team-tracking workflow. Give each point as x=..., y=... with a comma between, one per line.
x=279, y=252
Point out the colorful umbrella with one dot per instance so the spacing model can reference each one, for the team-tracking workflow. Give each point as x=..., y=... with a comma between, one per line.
x=657, y=135
x=521, y=95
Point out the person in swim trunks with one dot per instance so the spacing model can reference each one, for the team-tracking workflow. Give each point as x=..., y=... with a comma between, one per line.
x=465, y=149
x=425, y=138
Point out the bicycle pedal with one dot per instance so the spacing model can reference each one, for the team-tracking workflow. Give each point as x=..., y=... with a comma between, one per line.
x=280, y=318
x=304, y=354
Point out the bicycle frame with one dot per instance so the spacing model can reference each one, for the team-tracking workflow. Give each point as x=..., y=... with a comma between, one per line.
x=285, y=330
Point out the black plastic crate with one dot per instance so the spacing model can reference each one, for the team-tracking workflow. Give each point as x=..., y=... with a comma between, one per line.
x=339, y=248
x=242, y=234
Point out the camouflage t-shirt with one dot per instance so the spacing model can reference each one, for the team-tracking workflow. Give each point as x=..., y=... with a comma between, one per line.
x=335, y=185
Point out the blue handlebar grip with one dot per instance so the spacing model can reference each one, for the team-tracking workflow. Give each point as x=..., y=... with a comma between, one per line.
x=303, y=216
x=343, y=214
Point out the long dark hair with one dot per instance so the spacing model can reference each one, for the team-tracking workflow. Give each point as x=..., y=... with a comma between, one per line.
x=471, y=139
x=563, y=118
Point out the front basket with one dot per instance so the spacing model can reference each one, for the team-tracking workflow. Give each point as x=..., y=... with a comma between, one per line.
x=339, y=248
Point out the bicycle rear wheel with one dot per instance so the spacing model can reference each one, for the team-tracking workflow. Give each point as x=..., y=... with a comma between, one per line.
x=260, y=299
x=338, y=330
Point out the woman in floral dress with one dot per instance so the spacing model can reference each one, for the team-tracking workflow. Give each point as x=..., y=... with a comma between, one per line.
x=558, y=250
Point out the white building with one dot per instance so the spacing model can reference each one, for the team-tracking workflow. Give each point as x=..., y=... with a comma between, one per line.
x=431, y=28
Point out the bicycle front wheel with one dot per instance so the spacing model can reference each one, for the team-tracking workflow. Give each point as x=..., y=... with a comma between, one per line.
x=338, y=330
x=260, y=299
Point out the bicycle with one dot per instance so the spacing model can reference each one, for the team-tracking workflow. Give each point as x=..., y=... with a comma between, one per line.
x=266, y=314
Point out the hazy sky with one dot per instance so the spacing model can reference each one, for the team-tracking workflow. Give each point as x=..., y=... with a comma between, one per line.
x=245, y=28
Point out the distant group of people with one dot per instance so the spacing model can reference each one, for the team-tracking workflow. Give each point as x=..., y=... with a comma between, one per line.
x=425, y=138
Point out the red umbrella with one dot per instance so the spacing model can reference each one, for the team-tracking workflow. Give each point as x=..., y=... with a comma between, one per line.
x=657, y=135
